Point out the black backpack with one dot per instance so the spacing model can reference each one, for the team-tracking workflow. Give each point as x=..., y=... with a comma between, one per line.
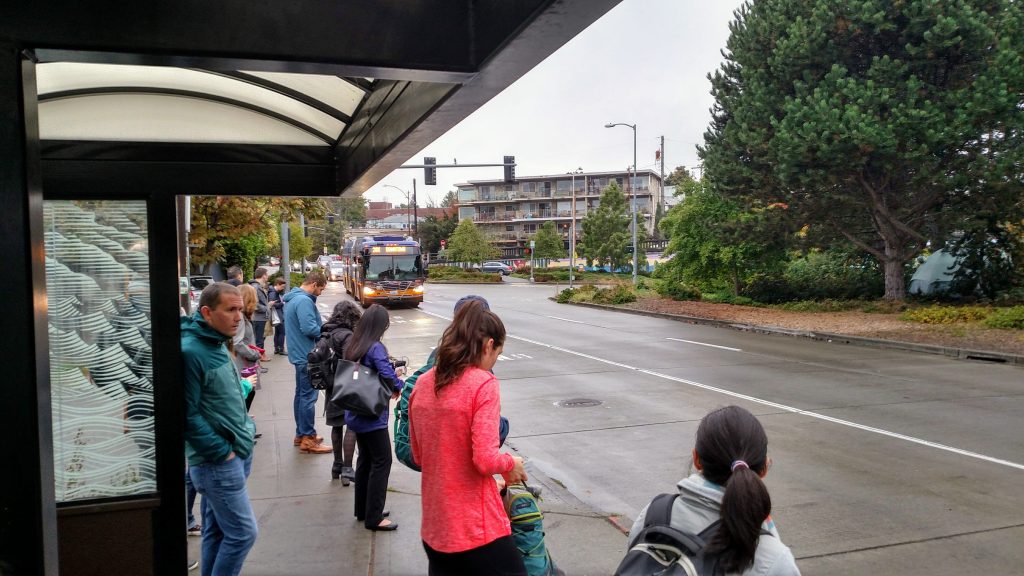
x=320, y=363
x=662, y=550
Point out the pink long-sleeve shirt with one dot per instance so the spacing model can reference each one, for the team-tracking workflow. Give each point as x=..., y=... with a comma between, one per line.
x=454, y=439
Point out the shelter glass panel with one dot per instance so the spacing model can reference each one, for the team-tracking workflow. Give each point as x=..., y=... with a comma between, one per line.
x=101, y=369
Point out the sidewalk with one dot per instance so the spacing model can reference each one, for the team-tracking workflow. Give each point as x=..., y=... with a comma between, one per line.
x=306, y=522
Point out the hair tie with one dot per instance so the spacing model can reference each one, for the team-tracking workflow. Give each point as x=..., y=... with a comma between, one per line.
x=738, y=464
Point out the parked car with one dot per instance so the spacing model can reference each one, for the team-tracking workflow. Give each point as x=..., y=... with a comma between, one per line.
x=335, y=271
x=323, y=261
x=500, y=267
x=195, y=288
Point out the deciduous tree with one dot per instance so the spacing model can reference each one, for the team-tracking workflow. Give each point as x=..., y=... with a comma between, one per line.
x=548, y=244
x=468, y=244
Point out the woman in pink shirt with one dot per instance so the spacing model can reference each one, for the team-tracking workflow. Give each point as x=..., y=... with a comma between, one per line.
x=453, y=413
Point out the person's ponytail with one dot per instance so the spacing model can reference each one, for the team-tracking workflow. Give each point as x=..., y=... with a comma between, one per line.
x=733, y=452
x=745, y=506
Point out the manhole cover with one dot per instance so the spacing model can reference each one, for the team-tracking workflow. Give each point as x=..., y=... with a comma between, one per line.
x=578, y=403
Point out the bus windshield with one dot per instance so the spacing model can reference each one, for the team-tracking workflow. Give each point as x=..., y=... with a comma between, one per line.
x=394, y=267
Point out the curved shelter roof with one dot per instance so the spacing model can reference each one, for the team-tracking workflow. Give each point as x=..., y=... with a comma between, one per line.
x=308, y=97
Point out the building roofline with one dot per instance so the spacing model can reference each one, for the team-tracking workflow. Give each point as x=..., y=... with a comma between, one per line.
x=647, y=171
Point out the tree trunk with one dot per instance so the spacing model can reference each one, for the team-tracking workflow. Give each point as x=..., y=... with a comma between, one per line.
x=895, y=289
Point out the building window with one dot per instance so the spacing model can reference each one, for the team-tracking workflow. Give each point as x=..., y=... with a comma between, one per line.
x=510, y=227
x=101, y=359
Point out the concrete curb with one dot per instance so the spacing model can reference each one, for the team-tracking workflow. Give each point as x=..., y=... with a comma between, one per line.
x=957, y=353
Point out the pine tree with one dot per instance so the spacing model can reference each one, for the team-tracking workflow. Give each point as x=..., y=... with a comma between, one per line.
x=890, y=124
x=606, y=233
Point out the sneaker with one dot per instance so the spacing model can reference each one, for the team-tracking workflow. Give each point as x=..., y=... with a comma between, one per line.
x=192, y=565
x=309, y=445
x=196, y=530
x=298, y=440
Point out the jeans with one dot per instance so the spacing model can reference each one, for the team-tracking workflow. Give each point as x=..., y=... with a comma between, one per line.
x=190, y=499
x=229, y=525
x=259, y=330
x=304, y=405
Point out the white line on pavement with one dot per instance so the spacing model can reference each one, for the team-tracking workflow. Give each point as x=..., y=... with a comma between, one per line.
x=703, y=344
x=776, y=405
x=567, y=320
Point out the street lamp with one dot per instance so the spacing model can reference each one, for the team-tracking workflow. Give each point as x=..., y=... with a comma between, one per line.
x=408, y=205
x=633, y=186
x=572, y=229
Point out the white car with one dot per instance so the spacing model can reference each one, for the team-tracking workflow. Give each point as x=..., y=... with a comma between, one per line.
x=335, y=271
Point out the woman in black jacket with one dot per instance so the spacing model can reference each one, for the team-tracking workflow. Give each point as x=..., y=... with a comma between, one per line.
x=339, y=329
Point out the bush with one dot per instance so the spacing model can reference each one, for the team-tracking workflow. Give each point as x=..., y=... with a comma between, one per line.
x=565, y=295
x=817, y=277
x=821, y=306
x=678, y=290
x=726, y=298
x=456, y=274
x=615, y=295
x=946, y=314
x=1011, y=318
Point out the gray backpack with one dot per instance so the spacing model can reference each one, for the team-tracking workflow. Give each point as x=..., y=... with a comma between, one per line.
x=662, y=550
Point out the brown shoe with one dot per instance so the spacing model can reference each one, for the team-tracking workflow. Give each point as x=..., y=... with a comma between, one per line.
x=298, y=440
x=266, y=359
x=309, y=445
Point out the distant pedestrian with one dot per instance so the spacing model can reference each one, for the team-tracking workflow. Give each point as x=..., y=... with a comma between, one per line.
x=339, y=328
x=234, y=276
x=274, y=296
x=218, y=431
x=302, y=322
x=246, y=353
x=374, y=465
x=731, y=458
x=452, y=413
x=262, y=312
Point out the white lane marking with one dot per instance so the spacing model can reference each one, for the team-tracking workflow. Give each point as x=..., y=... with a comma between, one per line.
x=776, y=405
x=567, y=320
x=703, y=344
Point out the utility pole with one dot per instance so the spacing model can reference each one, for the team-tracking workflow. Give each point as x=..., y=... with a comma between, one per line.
x=662, y=173
x=286, y=264
x=415, y=213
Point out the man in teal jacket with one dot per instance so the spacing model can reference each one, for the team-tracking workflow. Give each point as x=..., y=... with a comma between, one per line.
x=218, y=430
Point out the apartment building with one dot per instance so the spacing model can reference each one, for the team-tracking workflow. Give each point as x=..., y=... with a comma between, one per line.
x=510, y=213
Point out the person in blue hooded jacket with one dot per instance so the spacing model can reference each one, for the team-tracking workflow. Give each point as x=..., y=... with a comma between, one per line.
x=218, y=430
x=302, y=328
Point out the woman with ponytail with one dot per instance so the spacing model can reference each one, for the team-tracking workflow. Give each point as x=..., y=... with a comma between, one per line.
x=452, y=415
x=731, y=458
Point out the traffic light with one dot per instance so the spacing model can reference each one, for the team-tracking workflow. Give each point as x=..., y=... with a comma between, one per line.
x=510, y=169
x=429, y=172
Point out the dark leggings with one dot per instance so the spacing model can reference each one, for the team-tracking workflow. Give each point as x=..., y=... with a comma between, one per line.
x=372, y=471
x=498, y=558
x=279, y=337
x=344, y=446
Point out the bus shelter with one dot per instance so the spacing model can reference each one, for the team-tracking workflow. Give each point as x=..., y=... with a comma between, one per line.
x=113, y=111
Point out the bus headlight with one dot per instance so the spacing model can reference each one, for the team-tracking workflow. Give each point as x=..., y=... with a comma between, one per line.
x=367, y=291
x=418, y=289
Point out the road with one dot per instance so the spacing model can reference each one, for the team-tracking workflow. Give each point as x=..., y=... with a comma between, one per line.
x=885, y=462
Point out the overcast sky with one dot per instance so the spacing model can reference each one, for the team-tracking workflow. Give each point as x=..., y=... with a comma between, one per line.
x=645, y=63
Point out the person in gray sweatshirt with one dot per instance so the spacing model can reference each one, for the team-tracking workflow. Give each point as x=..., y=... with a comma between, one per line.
x=731, y=458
